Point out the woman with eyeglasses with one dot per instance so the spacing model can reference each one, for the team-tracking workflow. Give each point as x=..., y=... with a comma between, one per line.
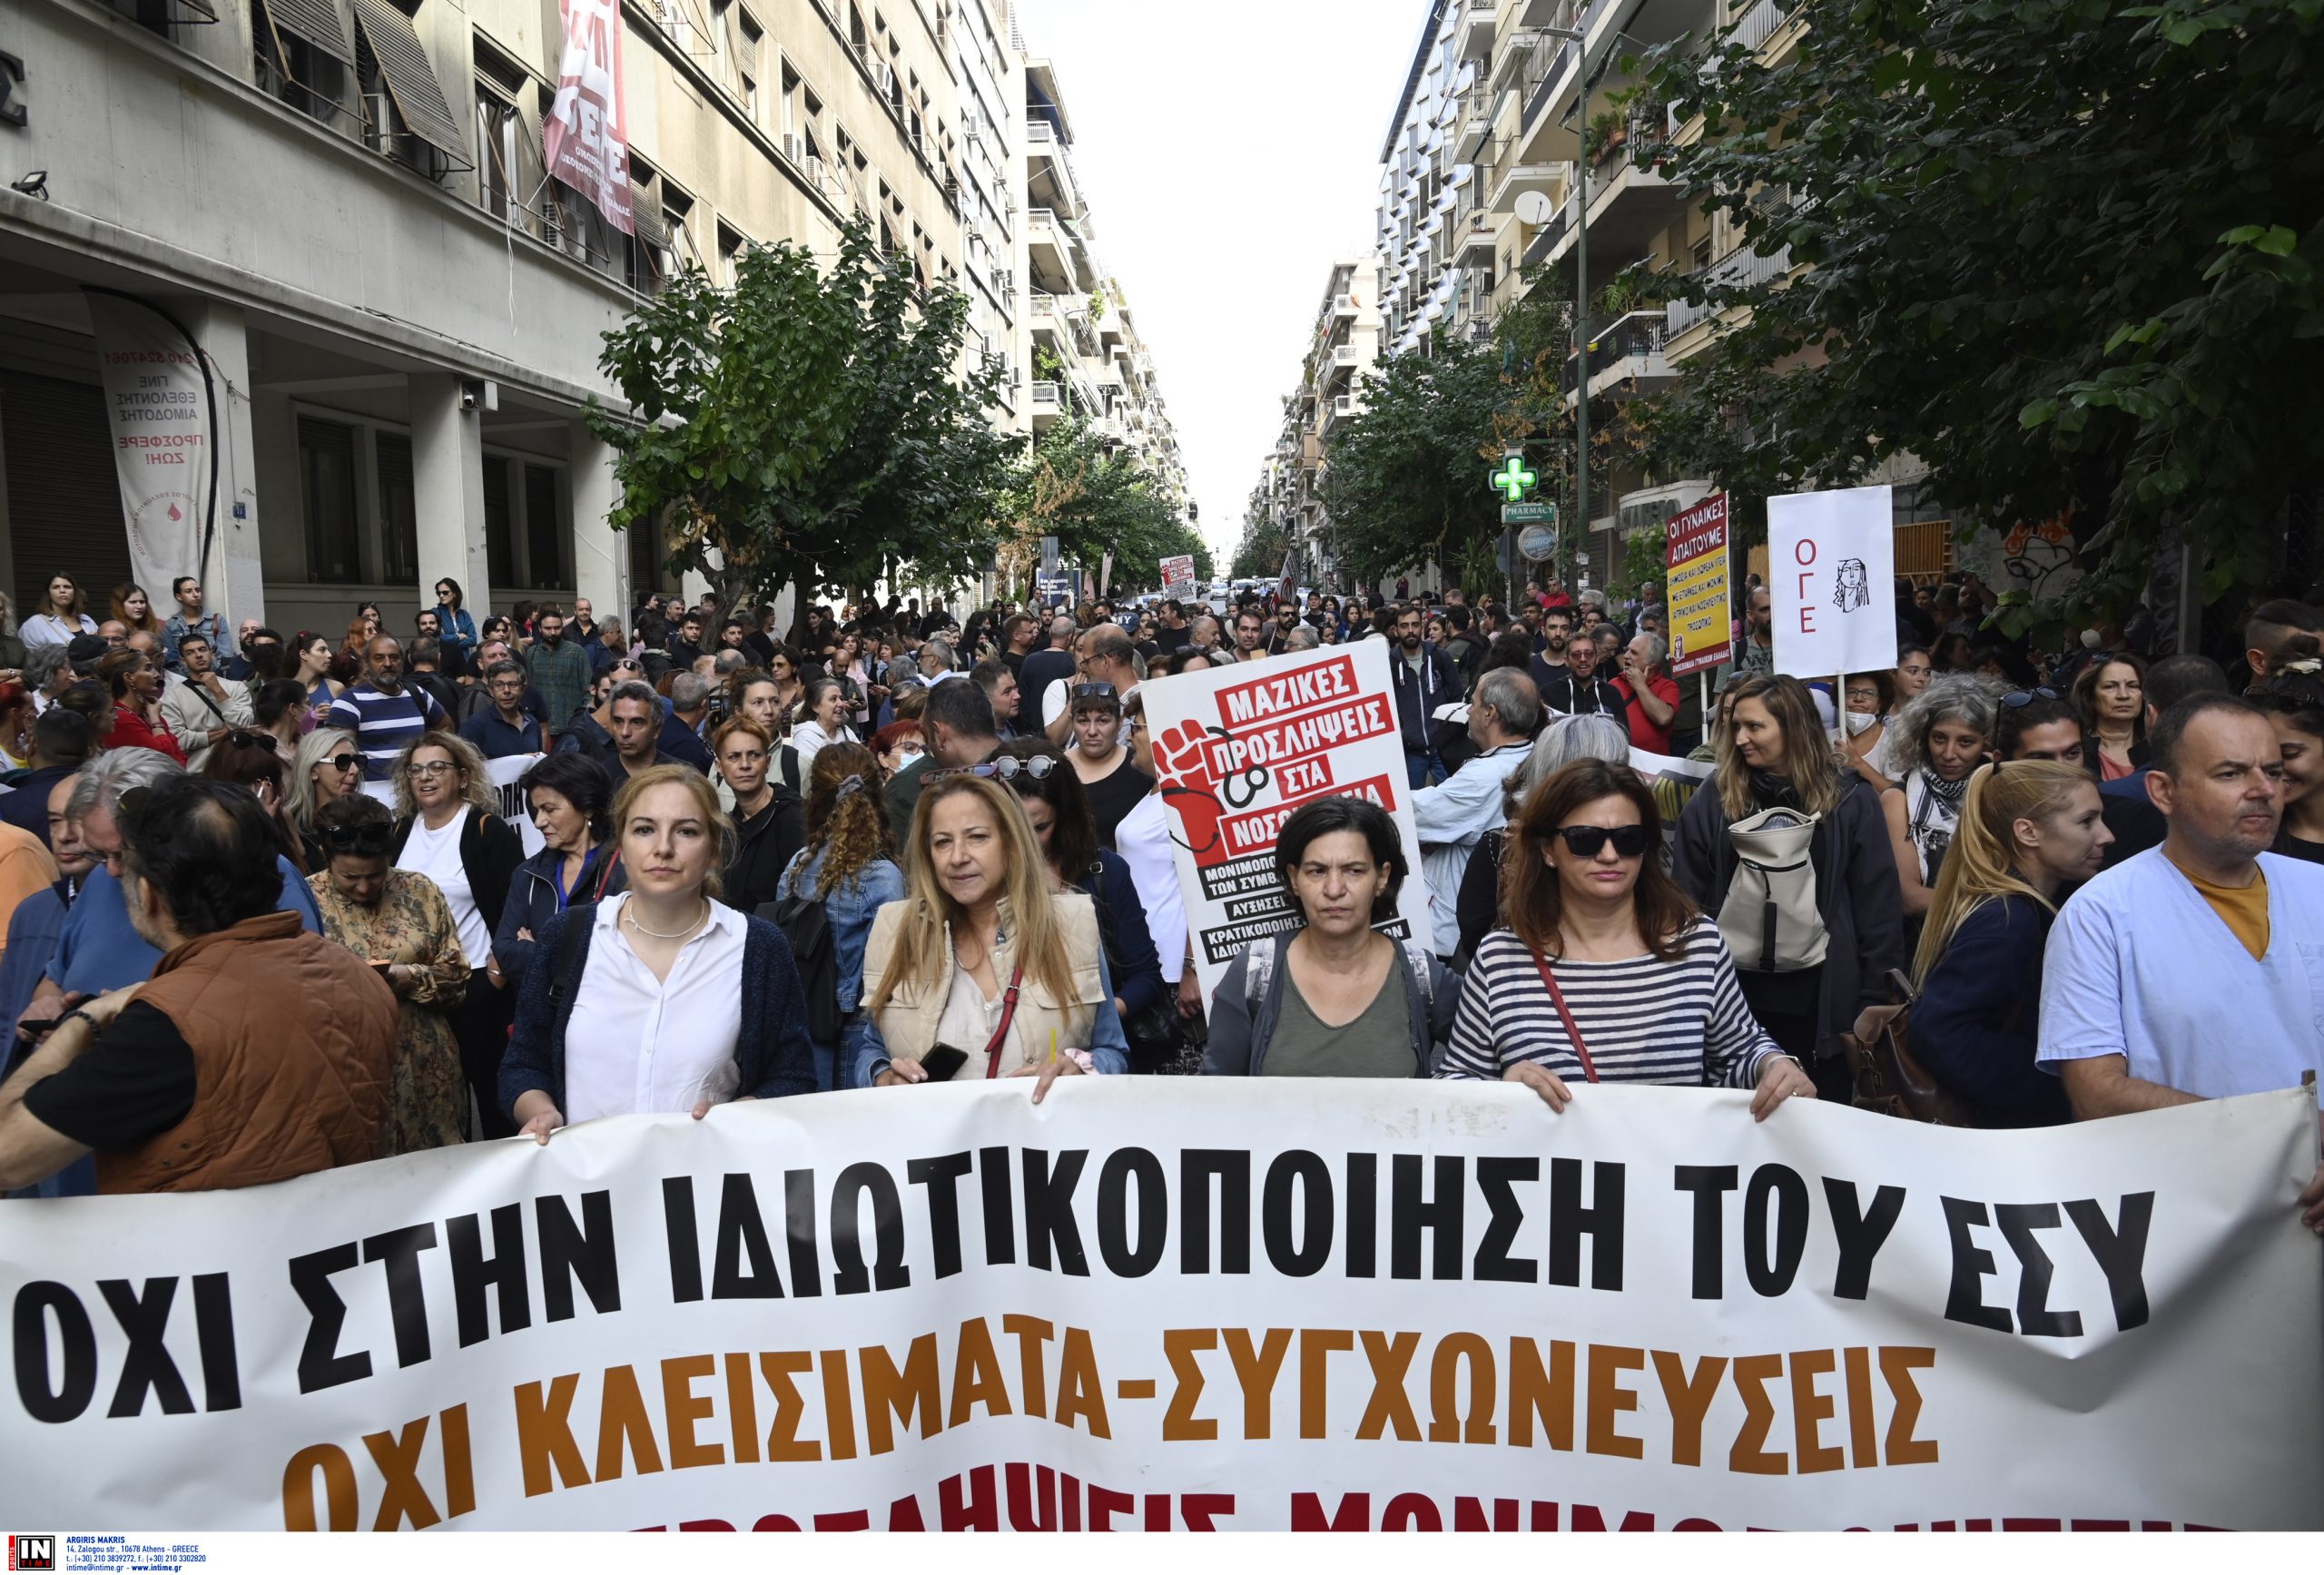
x=769, y=827
x=2111, y=695
x=1607, y=972
x=2030, y=832
x=783, y=672
x=1937, y=741
x=447, y=829
x=981, y=972
x=397, y=921
x=684, y=1003
x=326, y=767
x=1101, y=758
x=847, y=867
x=1334, y=998
x=897, y=745
x=1058, y=808
x=571, y=798
x=454, y=618
x=823, y=719
x=1868, y=701
x=1779, y=782
x=249, y=759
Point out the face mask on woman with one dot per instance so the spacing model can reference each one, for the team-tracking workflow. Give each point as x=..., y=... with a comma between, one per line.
x=1859, y=722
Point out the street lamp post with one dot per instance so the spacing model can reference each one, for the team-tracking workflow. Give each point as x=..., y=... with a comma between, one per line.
x=1577, y=38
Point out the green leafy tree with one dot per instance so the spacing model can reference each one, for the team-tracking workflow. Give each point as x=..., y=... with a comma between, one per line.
x=1260, y=554
x=1096, y=497
x=1407, y=482
x=805, y=427
x=2064, y=251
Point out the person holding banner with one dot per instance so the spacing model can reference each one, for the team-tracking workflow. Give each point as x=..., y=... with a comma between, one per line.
x=1607, y=972
x=398, y=924
x=2029, y=831
x=1780, y=789
x=981, y=972
x=1334, y=998
x=689, y=1003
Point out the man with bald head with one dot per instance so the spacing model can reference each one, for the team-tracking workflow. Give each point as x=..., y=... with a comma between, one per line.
x=385, y=714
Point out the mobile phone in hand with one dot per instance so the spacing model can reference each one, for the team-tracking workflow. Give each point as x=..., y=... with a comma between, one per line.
x=942, y=1062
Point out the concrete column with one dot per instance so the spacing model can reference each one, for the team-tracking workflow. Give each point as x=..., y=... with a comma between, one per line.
x=448, y=486
x=235, y=585
x=600, y=553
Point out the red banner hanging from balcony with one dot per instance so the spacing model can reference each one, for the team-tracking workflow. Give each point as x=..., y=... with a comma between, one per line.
x=585, y=135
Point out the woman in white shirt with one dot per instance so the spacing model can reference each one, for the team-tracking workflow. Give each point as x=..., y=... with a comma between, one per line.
x=61, y=616
x=823, y=712
x=689, y=1003
x=446, y=830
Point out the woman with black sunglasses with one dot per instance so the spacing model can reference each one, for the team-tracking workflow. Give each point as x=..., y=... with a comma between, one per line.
x=398, y=923
x=327, y=768
x=1606, y=972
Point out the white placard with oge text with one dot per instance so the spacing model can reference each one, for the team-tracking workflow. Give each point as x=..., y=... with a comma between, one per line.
x=1831, y=573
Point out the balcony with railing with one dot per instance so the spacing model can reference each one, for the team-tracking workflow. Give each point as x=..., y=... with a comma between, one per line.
x=1627, y=350
x=1758, y=23
x=1739, y=269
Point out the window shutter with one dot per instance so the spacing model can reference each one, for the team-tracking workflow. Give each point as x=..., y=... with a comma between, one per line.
x=317, y=21
x=410, y=81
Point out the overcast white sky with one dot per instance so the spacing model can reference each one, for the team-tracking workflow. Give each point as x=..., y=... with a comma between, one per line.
x=1230, y=153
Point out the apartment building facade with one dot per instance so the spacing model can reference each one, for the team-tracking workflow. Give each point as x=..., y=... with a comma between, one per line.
x=345, y=203
x=1344, y=346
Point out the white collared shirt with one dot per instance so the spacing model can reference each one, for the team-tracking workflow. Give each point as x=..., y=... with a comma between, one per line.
x=637, y=1045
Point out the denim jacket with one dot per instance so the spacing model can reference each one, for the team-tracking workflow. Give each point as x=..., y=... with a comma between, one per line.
x=847, y=909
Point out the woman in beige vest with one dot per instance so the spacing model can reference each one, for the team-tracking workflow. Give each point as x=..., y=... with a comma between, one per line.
x=981, y=972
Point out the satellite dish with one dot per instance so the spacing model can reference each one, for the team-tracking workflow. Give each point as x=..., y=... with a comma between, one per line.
x=1535, y=207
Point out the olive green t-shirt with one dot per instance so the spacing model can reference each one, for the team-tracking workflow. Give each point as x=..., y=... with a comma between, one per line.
x=1376, y=1043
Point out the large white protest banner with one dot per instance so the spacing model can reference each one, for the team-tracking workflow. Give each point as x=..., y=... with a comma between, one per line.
x=1238, y=748
x=1175, y=1303
x=1831, y=578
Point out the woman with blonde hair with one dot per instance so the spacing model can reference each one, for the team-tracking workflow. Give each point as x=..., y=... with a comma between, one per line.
x=449, y=828
x=327, y=766
x=981, y=972
x=2030, y=830
x=849, y=866
x=1781, y=789
x=688, y=1003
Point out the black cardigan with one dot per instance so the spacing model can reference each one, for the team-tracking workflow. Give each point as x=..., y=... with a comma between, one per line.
x=490, y=852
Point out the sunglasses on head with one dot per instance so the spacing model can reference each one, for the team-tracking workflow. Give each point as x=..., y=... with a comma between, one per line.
x=2017, y=699
x=1009, y=768
x=1094, y=692
x=1629, y=842
x=364, y=841
x=243, y=738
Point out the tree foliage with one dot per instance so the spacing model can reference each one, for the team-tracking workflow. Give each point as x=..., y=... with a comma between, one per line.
x=806, y=427
x=1096, y=497
x=1259, y=555
x=2064, y=251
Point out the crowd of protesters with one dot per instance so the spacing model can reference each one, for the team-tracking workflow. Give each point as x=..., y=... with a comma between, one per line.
x=262, y=914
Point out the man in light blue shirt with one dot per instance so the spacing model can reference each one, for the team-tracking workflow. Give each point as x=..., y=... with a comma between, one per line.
x=1453, y=815
x=2195, y=970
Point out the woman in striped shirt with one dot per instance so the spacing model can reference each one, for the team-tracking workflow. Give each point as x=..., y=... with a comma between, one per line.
x=1607, y=972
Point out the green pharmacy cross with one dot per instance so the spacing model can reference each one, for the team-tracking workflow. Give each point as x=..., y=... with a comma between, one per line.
x=1513, y=480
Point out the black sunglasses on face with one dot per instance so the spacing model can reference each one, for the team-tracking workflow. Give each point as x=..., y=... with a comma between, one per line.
x=1629, y=842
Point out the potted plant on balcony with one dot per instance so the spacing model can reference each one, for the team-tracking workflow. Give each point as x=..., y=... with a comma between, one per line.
x=1608, y=132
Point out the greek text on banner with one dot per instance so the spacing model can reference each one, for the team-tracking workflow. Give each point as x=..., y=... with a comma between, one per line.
x=1167, y=1303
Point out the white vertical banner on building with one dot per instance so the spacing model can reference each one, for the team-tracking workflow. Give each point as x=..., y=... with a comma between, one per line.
x=1238, y=748
x=586, y=137
x=1831, y=573
x=157, y=413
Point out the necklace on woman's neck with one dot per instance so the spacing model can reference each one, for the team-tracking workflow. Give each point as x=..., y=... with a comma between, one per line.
x=629, y=917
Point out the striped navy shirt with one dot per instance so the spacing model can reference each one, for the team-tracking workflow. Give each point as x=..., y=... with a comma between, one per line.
x=1683, y=1023
x=383, y=725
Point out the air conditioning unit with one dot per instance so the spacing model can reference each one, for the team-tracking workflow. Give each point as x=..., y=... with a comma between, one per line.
x=883, y=77
x=813, y=166
x=380, y=133
x=794, y=148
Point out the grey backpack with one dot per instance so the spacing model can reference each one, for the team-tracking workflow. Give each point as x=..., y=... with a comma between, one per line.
x=1770, y=920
